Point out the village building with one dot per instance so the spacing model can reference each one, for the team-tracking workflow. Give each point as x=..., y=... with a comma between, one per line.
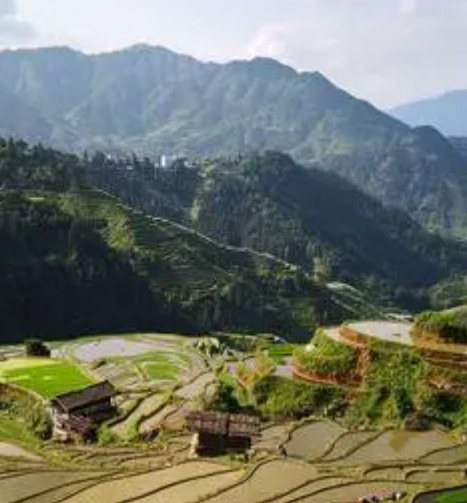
x=218, y=433
x=77, y=415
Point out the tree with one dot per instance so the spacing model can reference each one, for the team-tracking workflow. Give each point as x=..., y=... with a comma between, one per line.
x=35, y=347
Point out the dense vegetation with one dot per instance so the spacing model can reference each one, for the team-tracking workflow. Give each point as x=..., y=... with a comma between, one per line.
x=449, y=326
x=280, y=399
x=396, y=387
x=277, y=398
x=327, y=358
x=153, y=101
x=75, y=260
x=22, y=417
x=448, y=293
x=269, y=203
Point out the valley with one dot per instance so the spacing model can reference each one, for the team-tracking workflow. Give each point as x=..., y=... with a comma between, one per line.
x=230, y=281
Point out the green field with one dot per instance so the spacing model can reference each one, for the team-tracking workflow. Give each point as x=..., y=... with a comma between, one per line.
x=45, y=376
x=456, y=496
x=162, y=366
x=281, y=351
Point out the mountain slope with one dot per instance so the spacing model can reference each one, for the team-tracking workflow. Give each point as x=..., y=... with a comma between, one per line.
x=75, y=260
x=154, y=101
x=446, y=112
x=306, y=216
x=460, y=144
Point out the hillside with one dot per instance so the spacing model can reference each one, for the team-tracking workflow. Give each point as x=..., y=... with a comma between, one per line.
x=75, y=260
x=446, y=112
x=305, y=216
x=449, y=326
x=460, y=144
x=153, y=101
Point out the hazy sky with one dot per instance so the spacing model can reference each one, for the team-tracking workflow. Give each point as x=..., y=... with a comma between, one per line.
x=387, y=51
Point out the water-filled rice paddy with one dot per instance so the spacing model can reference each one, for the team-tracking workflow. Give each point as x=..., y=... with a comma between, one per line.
x=312, y=440
x=141, y=486
x=400, y=446
x=349, y=442
x=269, y=481
x=110, y=348
x=449, y=456
x=24, y=486
x=142, y=476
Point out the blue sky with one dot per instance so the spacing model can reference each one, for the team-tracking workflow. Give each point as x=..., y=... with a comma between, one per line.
x=387, y=51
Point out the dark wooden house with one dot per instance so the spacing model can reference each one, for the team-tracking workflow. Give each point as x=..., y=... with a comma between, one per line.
x=78, y=414
x=218, y=433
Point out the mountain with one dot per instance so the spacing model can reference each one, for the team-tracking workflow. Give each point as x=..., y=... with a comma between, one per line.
x=460, y=144
x=153, y=101
x=75, y=260
x=305, y=216
x=446, y=112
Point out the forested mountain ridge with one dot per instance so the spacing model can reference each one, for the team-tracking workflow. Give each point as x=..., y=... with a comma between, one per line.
x=153, y=101
x=75, y=260
x=311, y=218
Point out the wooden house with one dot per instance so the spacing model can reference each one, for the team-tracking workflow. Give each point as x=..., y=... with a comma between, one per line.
x=78, y=414
x=218, y=433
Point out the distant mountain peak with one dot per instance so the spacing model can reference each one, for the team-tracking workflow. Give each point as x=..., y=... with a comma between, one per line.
x=446, y=112
x=153, y=101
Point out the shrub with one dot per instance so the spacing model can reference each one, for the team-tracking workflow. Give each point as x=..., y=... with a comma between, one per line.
x=328, y=357
x=35, y=347
x=280, y=399
x=106, y=436
x=448, y=325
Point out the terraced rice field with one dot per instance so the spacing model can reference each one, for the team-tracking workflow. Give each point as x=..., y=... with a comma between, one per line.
x=136, y=361
x=45, y=376
x=13, y=451
x=338, y=476
x=400, y=446
x=142, y=408
x=312, y=440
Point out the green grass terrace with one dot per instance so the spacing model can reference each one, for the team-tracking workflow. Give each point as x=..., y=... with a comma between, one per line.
x=44, y=376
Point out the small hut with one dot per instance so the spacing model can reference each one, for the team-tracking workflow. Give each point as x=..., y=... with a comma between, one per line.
x=219, y=433
x=78, y=414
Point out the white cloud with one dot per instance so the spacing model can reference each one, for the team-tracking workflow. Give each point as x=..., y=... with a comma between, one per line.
x=13, y=29
x=387, y=51
x=365, y=47
x=407, y=7
x=271, y=41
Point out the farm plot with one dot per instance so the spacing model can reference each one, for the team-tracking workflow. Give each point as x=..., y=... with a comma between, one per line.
x=399, y=446
x=449, y=456
x=348, y=443
x=27, y=485
x=312, y=440
x=136, y=362
x=272, y=438
x=144, y=485
x=197, y=387
x=144, y=409
x=13, y=451
x=110, y=348
x=164, y=366
x=45, y=376
x=268, y=482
